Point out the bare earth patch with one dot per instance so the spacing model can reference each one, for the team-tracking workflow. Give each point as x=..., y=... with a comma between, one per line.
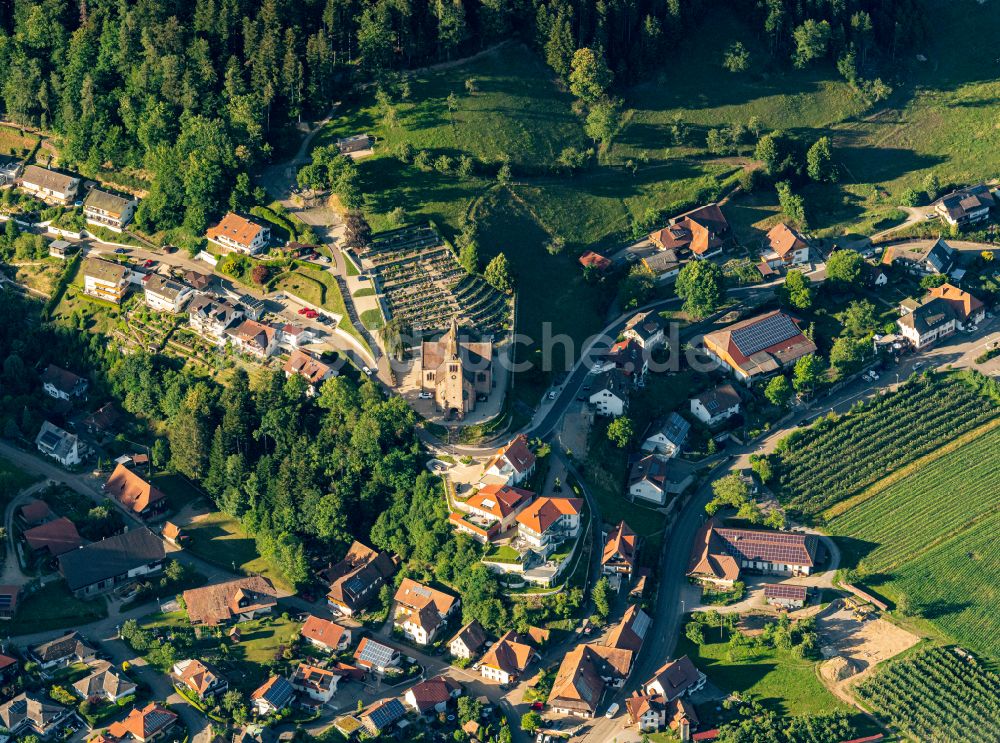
x=855, y=648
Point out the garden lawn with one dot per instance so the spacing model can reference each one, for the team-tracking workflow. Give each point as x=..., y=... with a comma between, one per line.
x=503, y=553
x=178, y=490
x=303, y=287
x=54, y=607
x=777, y=678
x=221, y=540
x=261, y=638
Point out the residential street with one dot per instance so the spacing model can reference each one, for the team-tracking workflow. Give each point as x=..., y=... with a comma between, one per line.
x=957, y=351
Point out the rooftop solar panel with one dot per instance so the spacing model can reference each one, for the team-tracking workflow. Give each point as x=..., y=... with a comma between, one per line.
x=280, y=693
x=764, y=334
x=777, y=547
x=354, y=584
x=784, y=591
x=387, y=714
x=641, y=624
x=376, y=654
x=49, y=439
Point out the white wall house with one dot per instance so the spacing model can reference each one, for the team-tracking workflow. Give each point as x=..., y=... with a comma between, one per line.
x=548, y=522
x=609, y=396
x=106, y=280
x=318, y=684
x=62, y=446
x=236, y=233
x=49, y=185
x=717, y=405
x=108, y=210
x=668, y=437
x=165, y=295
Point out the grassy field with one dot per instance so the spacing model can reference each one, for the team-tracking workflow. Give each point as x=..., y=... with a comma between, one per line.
x=54, y=607
x=40, y=275
x=220, y=540
x=545, y=308
x=941, y=520
x=13, y=142
x=517, y=114
x=301, y=286
x=777, y=678
x=939, y=120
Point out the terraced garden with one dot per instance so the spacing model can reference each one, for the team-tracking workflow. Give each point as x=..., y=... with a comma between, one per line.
x=838, y=458
x=937, y=696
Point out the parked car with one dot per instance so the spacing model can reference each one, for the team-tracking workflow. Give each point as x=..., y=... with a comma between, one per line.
x=366, y=370
x=425, y=396
x=148, y=263
x=303, y=310
x=121, y=251
x=537, y=706
x=612, y=711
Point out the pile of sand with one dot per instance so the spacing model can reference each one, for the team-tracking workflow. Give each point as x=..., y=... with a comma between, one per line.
x=838, y=669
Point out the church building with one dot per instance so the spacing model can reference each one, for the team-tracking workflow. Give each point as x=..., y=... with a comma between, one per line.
x=456, y=371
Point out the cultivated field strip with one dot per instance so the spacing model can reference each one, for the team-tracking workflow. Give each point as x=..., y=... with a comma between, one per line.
x=926, y=508
x=955, y=586
x=837, y=459
x=937, y=696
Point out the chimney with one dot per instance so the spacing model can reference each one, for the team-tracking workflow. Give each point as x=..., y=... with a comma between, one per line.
x=684, y=730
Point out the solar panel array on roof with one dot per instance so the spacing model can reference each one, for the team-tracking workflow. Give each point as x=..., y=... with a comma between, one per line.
x=354, y=584
x=641, y=623
x=281, y=692
x=764, y=334
x=784, y=591
x=376, y=654
x=49, y=439
x=387, y=714
x=158, y=718
x=776, y=547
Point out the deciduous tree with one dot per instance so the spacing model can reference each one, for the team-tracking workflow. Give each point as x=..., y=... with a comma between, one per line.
x=700, y=284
